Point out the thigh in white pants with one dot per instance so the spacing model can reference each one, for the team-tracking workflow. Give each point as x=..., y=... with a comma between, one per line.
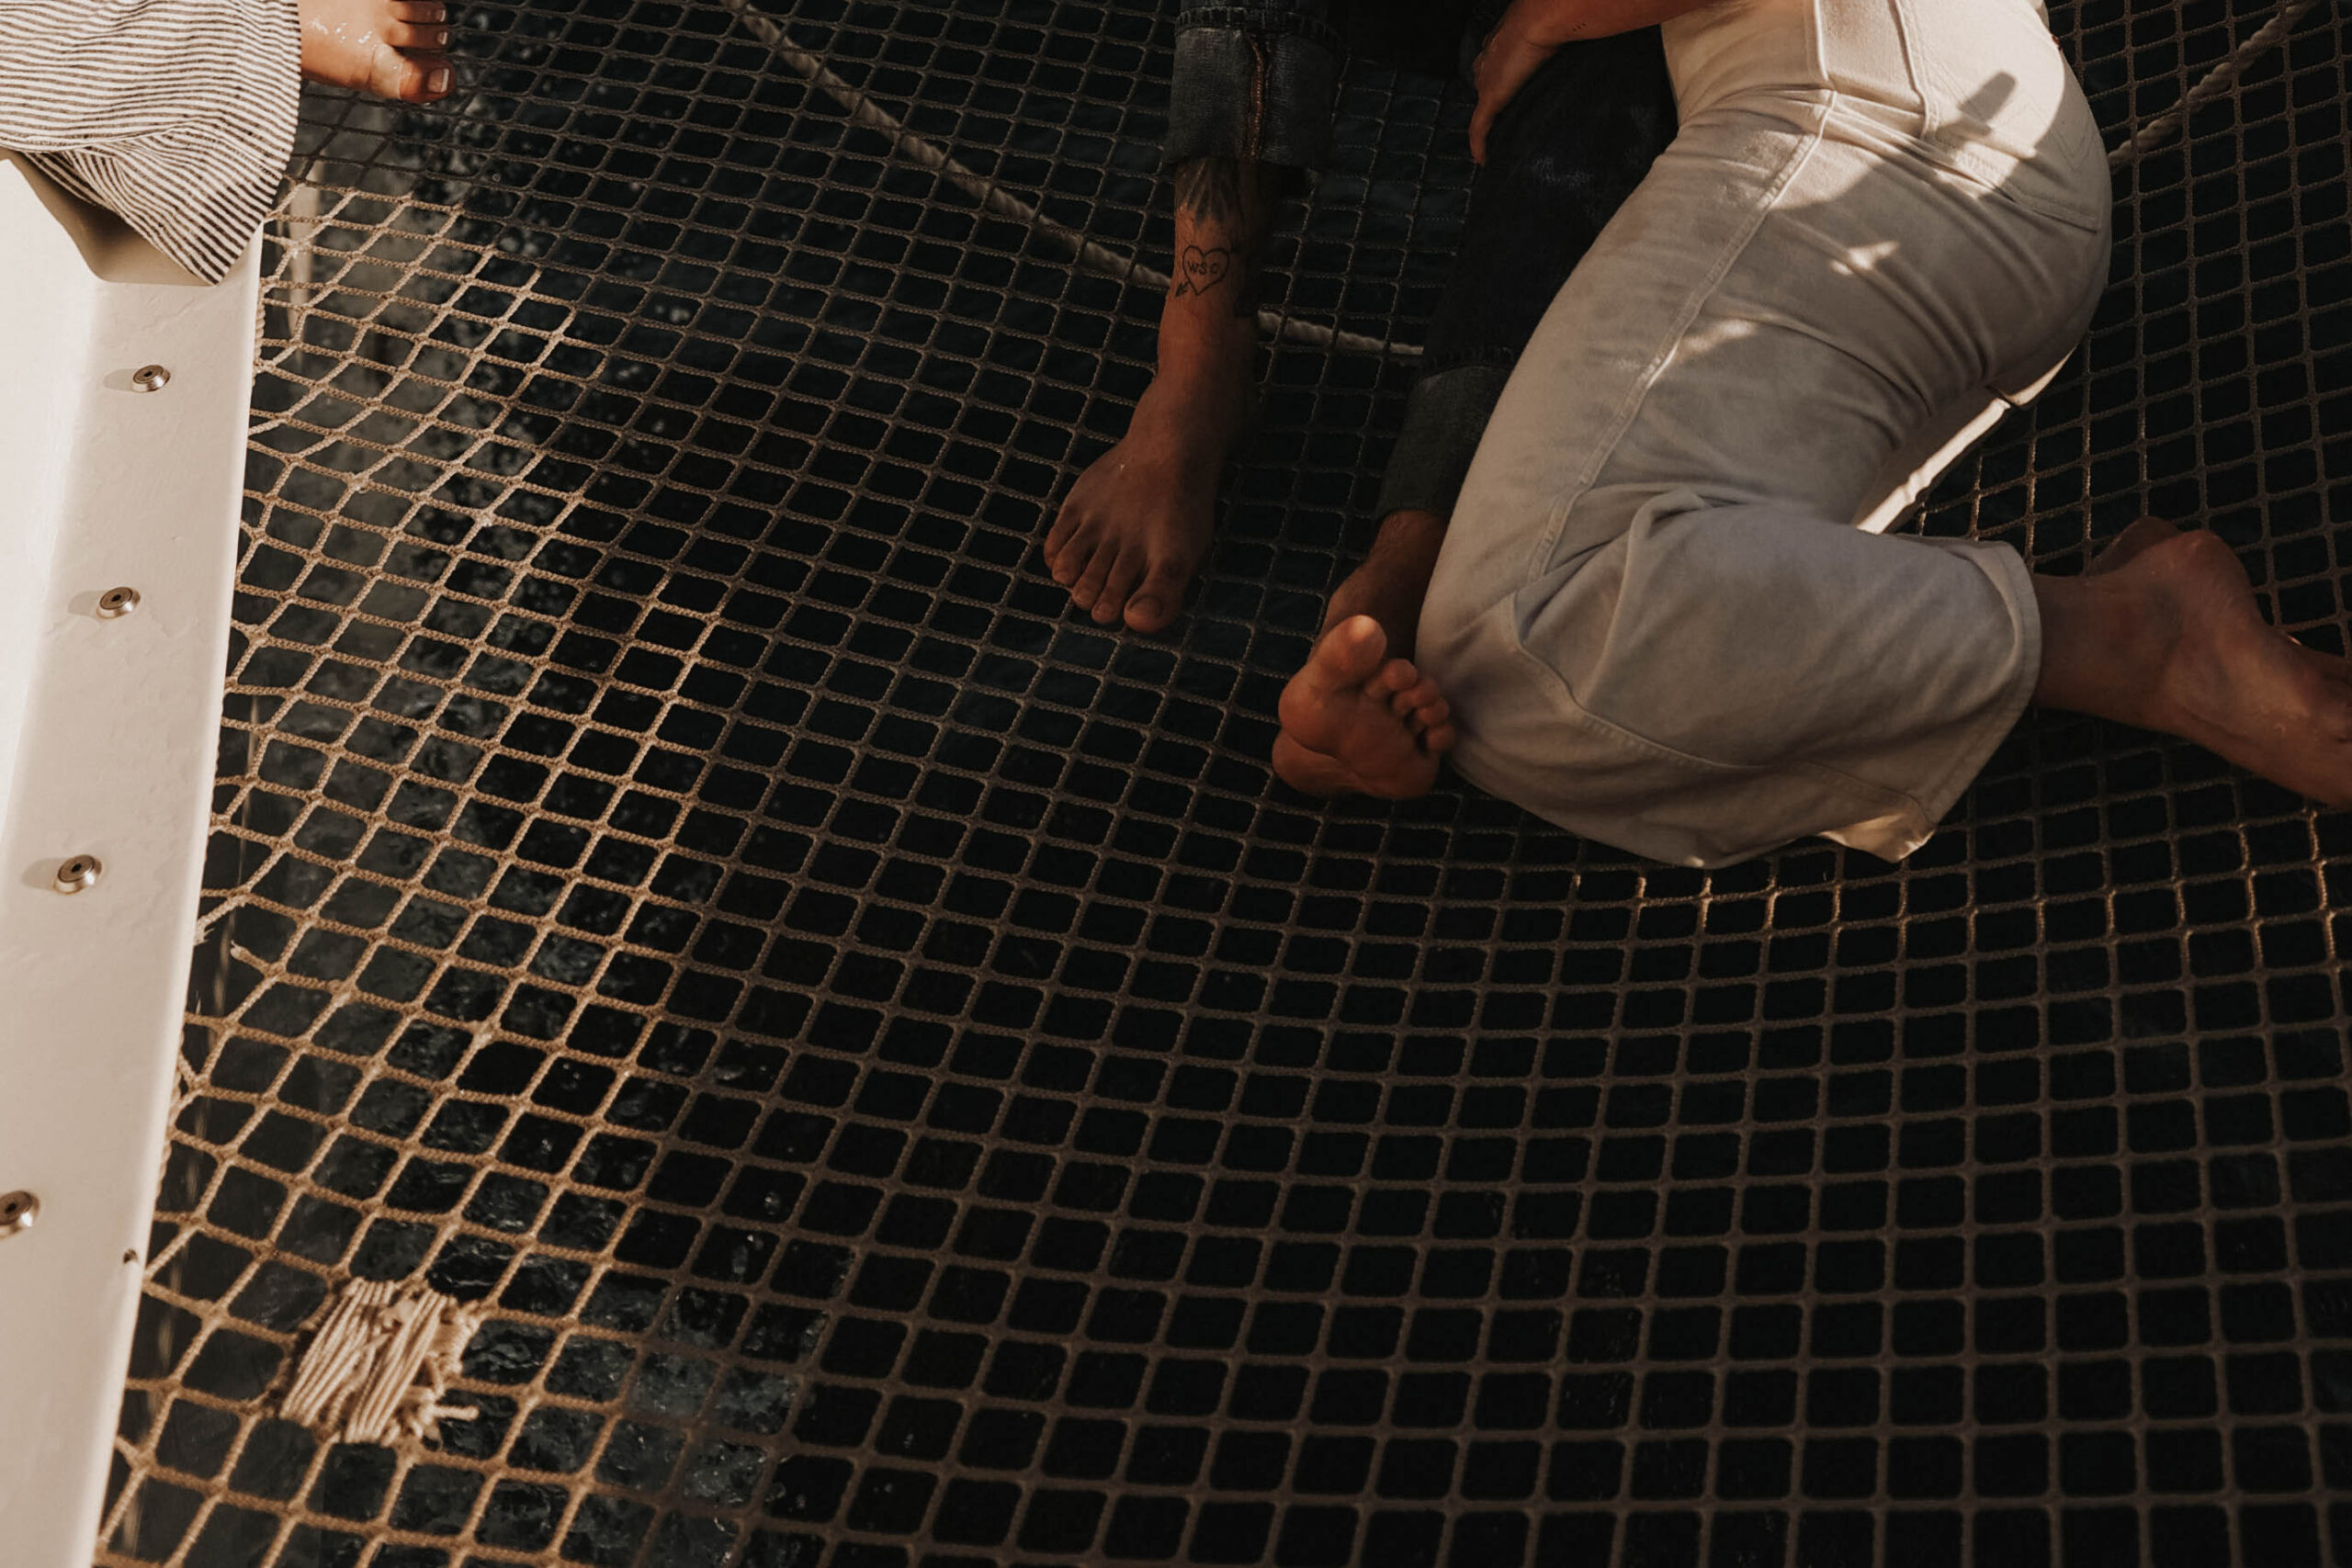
x=1657, y=614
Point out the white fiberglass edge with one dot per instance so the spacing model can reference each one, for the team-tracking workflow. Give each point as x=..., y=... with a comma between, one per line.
x=107, y=743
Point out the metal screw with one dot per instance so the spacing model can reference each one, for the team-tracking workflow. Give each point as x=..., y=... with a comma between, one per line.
x=149, y=378
x=116, y=602
x=17, y=1212
x=81, y=872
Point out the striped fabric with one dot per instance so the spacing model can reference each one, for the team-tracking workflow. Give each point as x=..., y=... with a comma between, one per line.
x=176, y=113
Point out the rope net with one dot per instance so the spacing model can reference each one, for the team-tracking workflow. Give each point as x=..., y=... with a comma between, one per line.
x=894, y=1082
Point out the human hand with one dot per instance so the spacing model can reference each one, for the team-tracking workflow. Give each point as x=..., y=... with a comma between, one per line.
x=1515, y=51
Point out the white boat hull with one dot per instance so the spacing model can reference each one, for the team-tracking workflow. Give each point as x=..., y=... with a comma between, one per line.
x=107, y=726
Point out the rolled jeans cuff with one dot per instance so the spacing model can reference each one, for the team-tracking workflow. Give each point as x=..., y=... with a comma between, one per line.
x=1252, y=84
x=1446, y=415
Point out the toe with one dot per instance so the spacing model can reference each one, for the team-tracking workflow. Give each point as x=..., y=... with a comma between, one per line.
x=420, y=13
x=1395, y=676
x=1438, y=739
x=1126, y=570
x=409, y=78
x=1087, y=590
x=1412, y=698
x=1349, y=653
x=1069, y=525
x=1155, y=604
x=415, y=34
x=1069, y=559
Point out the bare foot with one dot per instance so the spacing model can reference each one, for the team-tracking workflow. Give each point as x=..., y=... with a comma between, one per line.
x=2171, y=638
x=389, y=48
x=2146, y=531
x=1337, y=736
x=1356, y=721
x=1393, y=579
x=1136, y=525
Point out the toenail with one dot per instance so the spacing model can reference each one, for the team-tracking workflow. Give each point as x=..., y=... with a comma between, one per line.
x=438, y=81
x=441, y=37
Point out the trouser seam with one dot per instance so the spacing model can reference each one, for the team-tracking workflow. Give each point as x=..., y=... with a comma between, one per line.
x=1622, y=421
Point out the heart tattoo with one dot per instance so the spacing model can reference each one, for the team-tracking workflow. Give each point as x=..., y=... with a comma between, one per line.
x=1203, y=270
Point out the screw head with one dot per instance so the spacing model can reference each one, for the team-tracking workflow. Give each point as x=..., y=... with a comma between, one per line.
x=149, y=378
x=17, y=1212
x=78, y=872
x=116, y=602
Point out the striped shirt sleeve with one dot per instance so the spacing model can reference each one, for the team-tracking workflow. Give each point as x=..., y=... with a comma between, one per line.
x=177, y=115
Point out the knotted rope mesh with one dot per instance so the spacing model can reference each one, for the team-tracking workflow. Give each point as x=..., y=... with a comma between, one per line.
x=902, y=1085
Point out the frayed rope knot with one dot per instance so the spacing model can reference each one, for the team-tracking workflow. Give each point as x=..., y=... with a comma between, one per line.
x=381, y=1361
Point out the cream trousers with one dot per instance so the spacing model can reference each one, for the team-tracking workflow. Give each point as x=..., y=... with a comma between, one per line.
x=1663, y=613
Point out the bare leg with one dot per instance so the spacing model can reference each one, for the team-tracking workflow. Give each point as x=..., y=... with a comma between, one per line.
x=2130, y=543
x=2164, y=633
x=389, y=48
x=1360, y=718
x=1137, y=522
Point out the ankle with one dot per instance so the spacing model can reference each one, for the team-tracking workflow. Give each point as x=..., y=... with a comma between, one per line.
x=2104, y=642
x=1408, y=534
x=1206, y=350
x=1393, y=579
x=1203, y=409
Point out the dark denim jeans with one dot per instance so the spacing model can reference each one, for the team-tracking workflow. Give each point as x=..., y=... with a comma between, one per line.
x=1259, y=81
